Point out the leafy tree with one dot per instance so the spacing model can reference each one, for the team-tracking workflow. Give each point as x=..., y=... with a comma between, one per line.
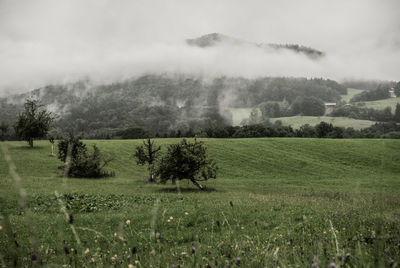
x=396, y=116
x=397, y=89
x=4, y=130
x=187, y=160
x=308, y=106
x=81, y=163
x=147, y=154
x=322, y=129
x=33, y=122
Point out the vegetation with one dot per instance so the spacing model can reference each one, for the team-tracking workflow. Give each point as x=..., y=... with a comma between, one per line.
x=147, y=154
x=79, y=162
x=157, y=104
x=371, y=114
x=4, y=130
x=277, y=202
x=187, y=161
x=380, y=93
x=397, y=89
x=33, y=122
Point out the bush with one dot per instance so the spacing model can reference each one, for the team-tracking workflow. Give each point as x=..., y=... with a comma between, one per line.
x=79, y=162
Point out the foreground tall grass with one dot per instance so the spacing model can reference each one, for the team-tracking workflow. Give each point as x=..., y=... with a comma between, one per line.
x=276, y=202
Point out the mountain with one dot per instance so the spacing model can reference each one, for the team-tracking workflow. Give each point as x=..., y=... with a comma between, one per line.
x=216, y=39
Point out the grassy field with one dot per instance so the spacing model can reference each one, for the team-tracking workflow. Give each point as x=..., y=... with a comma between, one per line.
x=276, y=202
x=382, y=104
x=297, y=121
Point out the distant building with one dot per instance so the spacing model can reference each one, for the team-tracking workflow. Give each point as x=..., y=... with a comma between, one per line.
x=330, y=104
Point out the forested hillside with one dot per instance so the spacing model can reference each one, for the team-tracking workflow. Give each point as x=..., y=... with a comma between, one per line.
x=162, y=103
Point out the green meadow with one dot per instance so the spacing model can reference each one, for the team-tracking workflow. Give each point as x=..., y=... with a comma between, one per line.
x=283, y=202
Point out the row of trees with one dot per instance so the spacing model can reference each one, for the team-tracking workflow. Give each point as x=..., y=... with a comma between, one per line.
x=183, y=160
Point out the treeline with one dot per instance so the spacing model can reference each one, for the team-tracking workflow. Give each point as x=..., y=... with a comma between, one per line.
x=321, y=130
x=355, y=112
x=380, y=93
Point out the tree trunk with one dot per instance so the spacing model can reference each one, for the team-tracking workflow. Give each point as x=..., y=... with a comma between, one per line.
x=30, y=142
x=151, y=176
x=197, y=184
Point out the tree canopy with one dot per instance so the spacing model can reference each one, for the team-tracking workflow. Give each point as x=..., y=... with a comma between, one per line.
x=187, y=160
x=33, y=122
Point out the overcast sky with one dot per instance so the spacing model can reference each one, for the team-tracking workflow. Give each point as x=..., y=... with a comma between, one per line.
x=50, y=41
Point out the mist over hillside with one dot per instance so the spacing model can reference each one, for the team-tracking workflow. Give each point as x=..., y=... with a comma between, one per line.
x=163, y=103
x=218, y=39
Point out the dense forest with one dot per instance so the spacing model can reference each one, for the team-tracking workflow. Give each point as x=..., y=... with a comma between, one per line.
x=160, y=104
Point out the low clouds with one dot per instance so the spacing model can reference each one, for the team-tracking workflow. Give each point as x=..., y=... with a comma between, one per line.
x=49, y=41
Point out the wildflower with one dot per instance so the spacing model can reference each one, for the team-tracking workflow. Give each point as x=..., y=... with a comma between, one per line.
x=87, y=250
x=153, y=252
x=92, y=260
x=171, y=218
x=128, y=222
x=332, y=265
x=184, y=253
x=115, y=234
x=113, y=259
x=242, y=227
x=186, y=213
x=238, y=260
x=136, y=261
x=131, y=266
x=1, y=227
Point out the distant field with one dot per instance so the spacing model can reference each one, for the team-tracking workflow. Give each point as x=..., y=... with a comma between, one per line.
x=297, y=121
x=238, y=114
x=350, y=94
x=283, y=202
x=382, y=104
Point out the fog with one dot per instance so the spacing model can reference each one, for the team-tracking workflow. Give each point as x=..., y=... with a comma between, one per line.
x=49, y=41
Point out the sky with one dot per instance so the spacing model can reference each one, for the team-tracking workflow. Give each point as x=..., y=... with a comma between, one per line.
x=59, y=41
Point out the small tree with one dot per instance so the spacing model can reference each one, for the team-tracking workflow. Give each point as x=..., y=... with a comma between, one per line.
x=147, y=154
x=396, y=116
x=186, y=160
x=82, y=163
x=4, y=130
x=33, y=122
x=51, y=140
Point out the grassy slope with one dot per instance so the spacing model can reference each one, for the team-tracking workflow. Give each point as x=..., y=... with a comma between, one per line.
x=382, y=104
x=350, y=94
x=284, y=192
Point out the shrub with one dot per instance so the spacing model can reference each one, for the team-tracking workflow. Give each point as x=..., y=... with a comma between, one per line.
x=79, y=162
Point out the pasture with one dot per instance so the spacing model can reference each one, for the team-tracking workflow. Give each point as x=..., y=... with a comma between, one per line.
x=276, y=202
